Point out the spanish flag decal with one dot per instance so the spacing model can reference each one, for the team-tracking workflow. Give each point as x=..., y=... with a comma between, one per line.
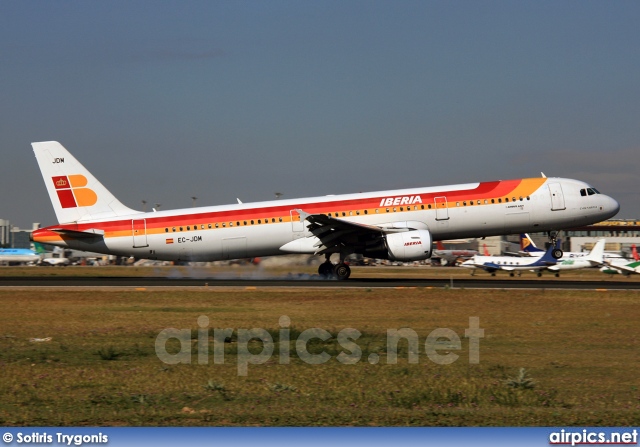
x=169, y=240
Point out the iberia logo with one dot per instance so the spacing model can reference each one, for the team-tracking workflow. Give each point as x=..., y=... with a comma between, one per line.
x=72, y=192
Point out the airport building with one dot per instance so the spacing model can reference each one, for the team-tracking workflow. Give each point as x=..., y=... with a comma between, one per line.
x=14, y=237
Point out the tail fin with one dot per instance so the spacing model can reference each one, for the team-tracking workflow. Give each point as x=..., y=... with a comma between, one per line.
x=439, y=245
x=485, y=250
x=547, y=258
x=634, y=252
x=596, y=256
x=76, y=195
x=38, y=248
x=526, y=244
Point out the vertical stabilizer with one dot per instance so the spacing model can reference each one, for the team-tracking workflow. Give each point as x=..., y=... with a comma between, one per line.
x=596, y=256
x=75, y=193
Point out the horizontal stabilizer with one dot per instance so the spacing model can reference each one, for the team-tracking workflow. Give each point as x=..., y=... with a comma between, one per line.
x=75, y=234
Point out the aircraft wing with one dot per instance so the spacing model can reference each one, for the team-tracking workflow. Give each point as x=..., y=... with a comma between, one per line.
x=334, y=233
x=629, y=268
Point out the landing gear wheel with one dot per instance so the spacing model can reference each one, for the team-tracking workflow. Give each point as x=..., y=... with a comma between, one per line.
x=325, y=269
x=342, y=271
x=539, y=274
x=556, y=253
x=511, y=274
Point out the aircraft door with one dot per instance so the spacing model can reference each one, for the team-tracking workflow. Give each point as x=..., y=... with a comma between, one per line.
x=139, y=231
x=557, y=198
x=298, y=227
x=442, y=212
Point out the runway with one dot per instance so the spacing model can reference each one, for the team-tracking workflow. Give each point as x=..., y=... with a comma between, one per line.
x=305, y=281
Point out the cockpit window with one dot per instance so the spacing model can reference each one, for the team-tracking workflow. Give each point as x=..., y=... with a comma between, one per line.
x=583, y=192
x=597, y=192
x=590, y=191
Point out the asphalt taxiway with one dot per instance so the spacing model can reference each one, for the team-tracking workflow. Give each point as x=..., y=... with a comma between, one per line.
x=303, y=281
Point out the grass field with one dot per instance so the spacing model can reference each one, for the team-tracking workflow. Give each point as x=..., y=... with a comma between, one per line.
x=580, y=349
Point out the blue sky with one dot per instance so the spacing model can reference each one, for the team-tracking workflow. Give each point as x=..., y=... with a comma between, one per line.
x=163, y=101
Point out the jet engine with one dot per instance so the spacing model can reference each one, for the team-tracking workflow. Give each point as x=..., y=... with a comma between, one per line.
x=413, y=245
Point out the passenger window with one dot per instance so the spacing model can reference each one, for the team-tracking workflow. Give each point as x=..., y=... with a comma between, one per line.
x=224, y=225
x=230, y=224
x=166, y=230
x=401, y=209
x=357, y=213
x=521, y=198
x=366, y=212
x=174, y=229
x=500, y=200
x=188, y=228
x=394, y=210
x=387, y=210
x=209, y=226
x=217, y=226
x=377, y=211
x=457, y=203
x=493, y=200
x=513, y=199
x=251, y=222
x=470, y=202
x=506, y=199
x=279, y=219
x=464, y=203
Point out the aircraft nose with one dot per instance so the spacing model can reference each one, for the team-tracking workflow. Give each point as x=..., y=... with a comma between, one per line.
x=611, y=207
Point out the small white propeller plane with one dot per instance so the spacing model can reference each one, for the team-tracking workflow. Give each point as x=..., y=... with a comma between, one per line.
x=511, y=264
x=397, y=225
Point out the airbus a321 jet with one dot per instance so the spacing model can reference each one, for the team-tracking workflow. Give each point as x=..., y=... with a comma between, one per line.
x=398, y=225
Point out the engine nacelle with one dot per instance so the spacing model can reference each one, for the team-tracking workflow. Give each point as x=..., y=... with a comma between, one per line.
x=414, y=245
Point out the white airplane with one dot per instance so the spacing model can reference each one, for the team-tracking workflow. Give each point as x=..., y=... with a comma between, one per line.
x=451, y=256
x=398, y=225
x=18, y=255
x=529, y=248
x=511, y=264
x=592, y=259
x=622, y=266
x=58, y=258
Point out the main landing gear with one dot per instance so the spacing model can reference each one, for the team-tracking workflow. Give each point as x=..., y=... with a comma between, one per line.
x=339, y=271
x=553, y=240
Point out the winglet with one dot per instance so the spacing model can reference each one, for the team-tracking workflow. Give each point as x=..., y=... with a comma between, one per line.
x=303, y=214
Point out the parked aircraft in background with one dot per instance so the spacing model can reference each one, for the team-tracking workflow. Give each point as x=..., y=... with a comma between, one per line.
x=57, y=259
x=398, y=225
x=18, y=256
x=620, y=266
x=451, y=256
x=529, y=248
x=511, y=264
x=592, y=259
